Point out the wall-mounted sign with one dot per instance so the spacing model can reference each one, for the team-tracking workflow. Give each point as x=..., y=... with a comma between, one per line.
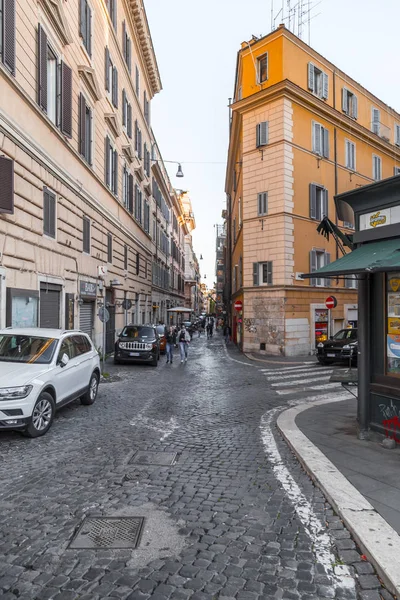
x=379, y=218
x=88, y=289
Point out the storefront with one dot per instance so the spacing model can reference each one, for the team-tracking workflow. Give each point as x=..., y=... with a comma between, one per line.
x=375, y=262
x=87, y=305
x=22, y=308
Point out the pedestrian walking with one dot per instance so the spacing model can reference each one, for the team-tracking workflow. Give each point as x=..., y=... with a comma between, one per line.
x=184, y=341
x=227, y=333
x=171, y=342
x=208, y=330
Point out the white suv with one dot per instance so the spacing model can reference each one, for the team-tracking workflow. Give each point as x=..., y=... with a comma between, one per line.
x=42, y=370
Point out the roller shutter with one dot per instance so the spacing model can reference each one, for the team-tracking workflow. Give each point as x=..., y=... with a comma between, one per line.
x=50, y=297
x=86, y=318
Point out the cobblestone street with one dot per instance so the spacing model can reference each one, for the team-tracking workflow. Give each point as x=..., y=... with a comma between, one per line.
x=233, y=516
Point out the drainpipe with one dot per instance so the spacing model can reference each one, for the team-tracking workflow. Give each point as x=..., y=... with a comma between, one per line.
x=335, y=159
x=364, y=374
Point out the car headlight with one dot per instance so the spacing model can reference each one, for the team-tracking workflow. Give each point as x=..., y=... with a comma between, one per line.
x=122, y=345
x=320, y=345
x=149, y=346
x=15, y=393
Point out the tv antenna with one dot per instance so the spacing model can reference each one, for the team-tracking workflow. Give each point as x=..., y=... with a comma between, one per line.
x=296, y=15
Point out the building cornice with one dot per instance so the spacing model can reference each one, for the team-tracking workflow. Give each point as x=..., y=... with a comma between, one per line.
x=55, y=13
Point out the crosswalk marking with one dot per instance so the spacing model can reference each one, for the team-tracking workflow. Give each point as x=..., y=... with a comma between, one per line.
x=298, y=382
x=292, y=375
x=325, y=386
x=285, y=369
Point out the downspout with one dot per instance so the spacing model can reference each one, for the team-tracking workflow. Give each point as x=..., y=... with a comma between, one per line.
x=364, y=374
x=335, y=159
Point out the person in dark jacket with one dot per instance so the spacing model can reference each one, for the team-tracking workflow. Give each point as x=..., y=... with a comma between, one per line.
x=170, y=336
x=227, y=333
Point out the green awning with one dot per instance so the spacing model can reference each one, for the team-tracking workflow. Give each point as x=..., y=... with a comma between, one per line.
x=373, y=257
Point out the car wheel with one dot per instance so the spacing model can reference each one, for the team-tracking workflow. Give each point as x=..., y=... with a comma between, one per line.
x=154, y=362
x=42, y=416
x=91, y=394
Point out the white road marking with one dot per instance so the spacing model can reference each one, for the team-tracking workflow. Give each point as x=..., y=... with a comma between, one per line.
x=325, y=386
x=315, y=529
x=298, y=382
x=332, y=397
x=164, y=427
x=285, y=369
x=301, y=374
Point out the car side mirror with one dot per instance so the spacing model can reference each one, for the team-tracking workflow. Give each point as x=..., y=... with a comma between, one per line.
x=64, y=360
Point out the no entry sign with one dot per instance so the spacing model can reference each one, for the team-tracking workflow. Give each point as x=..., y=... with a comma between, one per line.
x=331, y=302
x=238, y=305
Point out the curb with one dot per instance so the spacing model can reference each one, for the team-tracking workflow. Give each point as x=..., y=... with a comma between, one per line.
x=277, y=362
x=377, y=540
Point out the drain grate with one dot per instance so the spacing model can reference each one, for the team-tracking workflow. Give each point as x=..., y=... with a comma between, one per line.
x=163, y=459
x=108, y=532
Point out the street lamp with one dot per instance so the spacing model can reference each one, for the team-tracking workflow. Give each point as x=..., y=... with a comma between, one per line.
x=179, y=172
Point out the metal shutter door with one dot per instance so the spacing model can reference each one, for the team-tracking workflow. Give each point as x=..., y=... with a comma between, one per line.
x=50, y=306
x=86, y=318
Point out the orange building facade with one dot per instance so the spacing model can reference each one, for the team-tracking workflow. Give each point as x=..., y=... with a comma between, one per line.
x=302, y=131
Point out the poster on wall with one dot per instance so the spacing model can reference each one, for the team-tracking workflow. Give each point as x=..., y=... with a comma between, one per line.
x=393, y=324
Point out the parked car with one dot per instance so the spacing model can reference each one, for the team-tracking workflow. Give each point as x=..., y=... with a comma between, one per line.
x=340, y=347
x=42, y=370
x=137, y=343
x=163, y=340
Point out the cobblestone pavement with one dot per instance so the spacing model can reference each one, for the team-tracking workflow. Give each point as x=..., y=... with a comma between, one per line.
x=234, y=517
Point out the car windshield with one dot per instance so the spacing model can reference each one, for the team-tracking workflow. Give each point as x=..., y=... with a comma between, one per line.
x=134, y=331
x=160, y=329
x=346, y=334
x=26, y=349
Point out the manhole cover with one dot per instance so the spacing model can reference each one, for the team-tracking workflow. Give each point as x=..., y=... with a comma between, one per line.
x=164, y=459
x=108, y=532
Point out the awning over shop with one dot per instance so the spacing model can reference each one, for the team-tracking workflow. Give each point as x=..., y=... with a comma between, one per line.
x=369, y=258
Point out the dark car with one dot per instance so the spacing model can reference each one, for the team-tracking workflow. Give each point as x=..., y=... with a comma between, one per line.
x=341, y=347
x=163, y=340
x=137, y=343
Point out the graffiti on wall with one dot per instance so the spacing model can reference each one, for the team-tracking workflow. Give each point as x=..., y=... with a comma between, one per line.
x=250, y=325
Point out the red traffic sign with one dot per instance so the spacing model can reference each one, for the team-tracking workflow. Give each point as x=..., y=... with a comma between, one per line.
x=238, y=305
x=331, y=302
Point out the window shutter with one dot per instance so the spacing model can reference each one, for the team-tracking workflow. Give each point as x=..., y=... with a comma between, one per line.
x=325, y=192
x=375, y=120
x=255, y=274
x=7, y=185
x=114, y=13
x=107, y=69
x=82, y=20
x=397, y=135
x=9, y=34
x=313, y=266
x=129, y=124
x=317, y=138
x=130, y=194
x=269, y=272
x=354, y=107
x=115, y=87
x=124, y=45
x=262, y=134
x=325, y=139
x=42, y=68
x=46, y=204
x=129, y=54
x=327, y=262
x=325, y=86
x=82, y=123
x=107, y=161
x=345, y=101
x=136, y=136
x=397, y=171
x=66, y=99
x=311, y=76
x=313, y=201
x=115, y=162
x=52, y=215
x=124, y=107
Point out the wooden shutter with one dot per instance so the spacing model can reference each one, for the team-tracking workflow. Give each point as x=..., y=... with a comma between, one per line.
x=130, y=193
x=49, y=213
x=9, y=34
x=42, y=68
x=107, y=69
x=311, y=76
x=327, y=261
x=262, y=134
x=82, y=20
x=86, y=235
x=109, y=247
x=325, y=199
x=354, y=106
x=325, y=86
x=313, y=266
x=115, y=172
x=325, y=139
x=124, y=39
x=136, y=136
x=313, y=201
x=140, y=144
x=107, y=165
x=115, y=87
x=376, y=120
x=345, y=101
x=66, y=100
x=7, y=185
x=316, y=129
x=129, y=54
x=255, y=274
x=124, y=116
x=397, y=135
x=82, y=123
x=129, y=121
x=114, y=12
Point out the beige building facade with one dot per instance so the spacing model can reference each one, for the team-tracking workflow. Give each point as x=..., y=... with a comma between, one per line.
x=76, y=168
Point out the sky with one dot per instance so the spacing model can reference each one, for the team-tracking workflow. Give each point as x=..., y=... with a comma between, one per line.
x=196, y=45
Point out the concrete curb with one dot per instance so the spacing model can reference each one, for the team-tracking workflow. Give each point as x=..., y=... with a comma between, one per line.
x=377, y=540
x=277, y=362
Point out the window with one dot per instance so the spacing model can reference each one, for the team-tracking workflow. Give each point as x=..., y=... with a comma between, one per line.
x=127, y=190
x=318, y=81
x=126, y=114
x=112, y=11
x=318, y=202
x=349, y=103
x=262, y=68
x=262, y=134
x=138, y=140
x=111, y=78
x=146, y=217
x=86, y=235
x=146, y=156
x=85, y=28
x=137, y=263
x=7, y=34
x=85, y=129
x=376, y=167
x=397, y=135
x=54, y=85
x=350, y=149
x=319, y=259
x=376, y=121
x=109, y=248
x=137, y=81
x=126, y=257
x=263, y=203
x=126, y=47
x=49, y=213
x=138, y=204
x=111, y=167
x=7, y=185
x=396, y=171
x=146, y=108
x=320, y=140
x=262, y=273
